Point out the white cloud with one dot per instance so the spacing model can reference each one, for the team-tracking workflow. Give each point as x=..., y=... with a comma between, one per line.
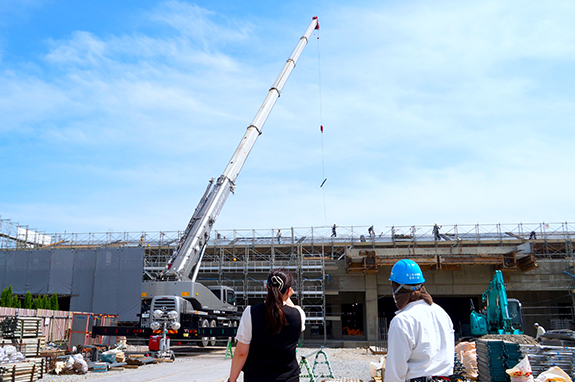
x=196, y=23
x=443, y=111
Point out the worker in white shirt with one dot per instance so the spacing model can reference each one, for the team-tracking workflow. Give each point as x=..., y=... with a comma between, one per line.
x=421, y=339
x=540, y=331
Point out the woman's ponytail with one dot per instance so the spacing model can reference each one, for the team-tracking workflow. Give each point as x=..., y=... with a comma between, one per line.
x=279, y=282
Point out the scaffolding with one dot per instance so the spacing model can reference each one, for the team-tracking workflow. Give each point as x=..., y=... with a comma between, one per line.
x=242, y=259
x=15, y=236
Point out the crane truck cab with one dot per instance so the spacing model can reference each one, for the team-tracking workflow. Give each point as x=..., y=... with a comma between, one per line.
x=198, y=308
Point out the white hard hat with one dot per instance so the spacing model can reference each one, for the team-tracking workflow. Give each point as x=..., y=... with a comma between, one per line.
x=536, y=324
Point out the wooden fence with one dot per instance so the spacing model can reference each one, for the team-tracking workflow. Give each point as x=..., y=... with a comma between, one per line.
x=55, y=323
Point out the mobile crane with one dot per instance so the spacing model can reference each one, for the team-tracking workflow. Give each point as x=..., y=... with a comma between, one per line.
x=204, y=314
x=499, y=315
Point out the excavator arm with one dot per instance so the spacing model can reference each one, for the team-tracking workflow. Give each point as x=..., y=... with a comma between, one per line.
x=497, y=306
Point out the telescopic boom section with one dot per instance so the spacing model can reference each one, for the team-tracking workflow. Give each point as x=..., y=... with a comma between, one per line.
x=195, y=238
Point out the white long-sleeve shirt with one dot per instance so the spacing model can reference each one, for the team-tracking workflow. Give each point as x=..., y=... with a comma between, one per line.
x=420, y=343
x=540, y=332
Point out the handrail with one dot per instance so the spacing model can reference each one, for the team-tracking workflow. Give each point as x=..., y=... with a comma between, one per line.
x=300, y=236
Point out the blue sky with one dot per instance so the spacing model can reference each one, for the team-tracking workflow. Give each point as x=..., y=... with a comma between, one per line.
x=115, y=114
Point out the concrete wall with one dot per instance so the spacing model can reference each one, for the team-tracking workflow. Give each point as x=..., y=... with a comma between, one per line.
x=543, y=291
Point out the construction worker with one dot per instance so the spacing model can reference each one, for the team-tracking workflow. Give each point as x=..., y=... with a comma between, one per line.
x=436, y=235
x=421, y=338
x=371, y=231
x=540, y=331
x=268, y=335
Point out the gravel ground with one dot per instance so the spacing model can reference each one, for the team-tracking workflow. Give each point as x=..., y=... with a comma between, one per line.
x=345, y=363
x=348, y=363
x=521, y=339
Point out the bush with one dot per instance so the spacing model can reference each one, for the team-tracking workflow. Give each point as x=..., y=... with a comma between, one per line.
x=27, y=304
x=54, y=302
x=9, y=300
x=6, y=297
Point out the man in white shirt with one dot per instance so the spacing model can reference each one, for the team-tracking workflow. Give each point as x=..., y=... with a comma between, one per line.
x=540, y=331
x=421, y=337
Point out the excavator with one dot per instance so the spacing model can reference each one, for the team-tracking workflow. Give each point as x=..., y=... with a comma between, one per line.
x=499, y=314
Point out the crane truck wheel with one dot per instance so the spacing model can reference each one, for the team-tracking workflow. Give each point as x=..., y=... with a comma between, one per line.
x=205, y=340
x=213, y=324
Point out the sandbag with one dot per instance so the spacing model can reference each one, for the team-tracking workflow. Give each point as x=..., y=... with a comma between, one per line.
x=521, y=372
x=376, y=369
x=555, y=374
x=468, y=356
x=80, y=365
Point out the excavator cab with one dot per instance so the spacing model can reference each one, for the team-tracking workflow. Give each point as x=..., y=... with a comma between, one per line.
x=515, y=313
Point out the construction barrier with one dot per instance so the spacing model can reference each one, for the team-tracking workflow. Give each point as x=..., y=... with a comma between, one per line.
x=54, y=325
x=310, y=372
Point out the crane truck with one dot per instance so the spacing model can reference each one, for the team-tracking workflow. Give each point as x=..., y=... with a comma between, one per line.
x=499, y=314
x=202, y=313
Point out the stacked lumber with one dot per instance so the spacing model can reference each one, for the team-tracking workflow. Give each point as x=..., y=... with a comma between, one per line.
x=41, y=365
x=21, y=327
x=23, y=371
x=31, y=347
x=51, y=355
x=136, y=360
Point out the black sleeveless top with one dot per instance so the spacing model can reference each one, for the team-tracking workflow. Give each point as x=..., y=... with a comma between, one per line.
x=272, y=357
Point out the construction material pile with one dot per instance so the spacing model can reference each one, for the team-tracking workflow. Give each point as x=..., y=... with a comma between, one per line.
x=497, y=353
x=494, y=357
x=521, y=339
x=542, y=358
x=20, y=347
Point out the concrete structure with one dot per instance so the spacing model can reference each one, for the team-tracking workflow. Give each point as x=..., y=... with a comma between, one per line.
x=342, y=281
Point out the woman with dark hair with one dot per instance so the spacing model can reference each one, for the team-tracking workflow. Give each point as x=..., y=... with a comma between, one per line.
x=268, y=334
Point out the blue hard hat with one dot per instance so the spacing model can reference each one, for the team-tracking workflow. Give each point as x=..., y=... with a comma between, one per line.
x=406, y=272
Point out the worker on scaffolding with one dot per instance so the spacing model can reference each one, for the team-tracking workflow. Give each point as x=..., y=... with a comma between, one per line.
x=421, y=337
x=436, y=234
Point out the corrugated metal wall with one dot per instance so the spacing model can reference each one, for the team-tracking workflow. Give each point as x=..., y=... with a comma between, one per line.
x=104, y=281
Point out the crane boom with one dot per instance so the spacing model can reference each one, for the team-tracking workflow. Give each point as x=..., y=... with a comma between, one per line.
x=195, y=238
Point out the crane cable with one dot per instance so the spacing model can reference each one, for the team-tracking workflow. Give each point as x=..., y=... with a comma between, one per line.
x=321, y=127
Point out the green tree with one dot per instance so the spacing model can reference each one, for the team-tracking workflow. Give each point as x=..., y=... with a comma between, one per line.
x=16, y=302
x=37, y=303
x=45, y=302
x=27, y=303
x=6, y=297
x=54, y=302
